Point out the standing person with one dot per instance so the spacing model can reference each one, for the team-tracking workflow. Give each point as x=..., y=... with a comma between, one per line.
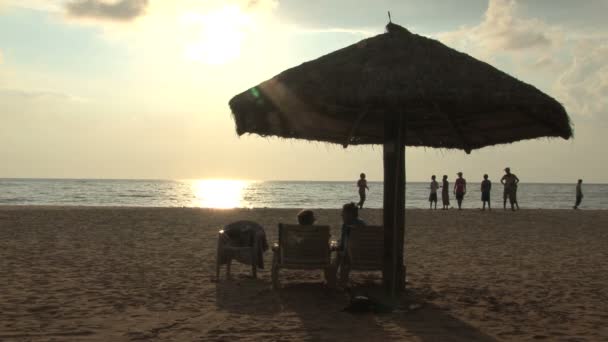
x=362, y=185
x=445, y=193
x=579, y=193
x=486, y=187
x=510, y=181
x=460, y=189
x=433, y=196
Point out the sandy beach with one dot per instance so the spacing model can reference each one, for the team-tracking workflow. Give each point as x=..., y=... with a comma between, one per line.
x=138, y=274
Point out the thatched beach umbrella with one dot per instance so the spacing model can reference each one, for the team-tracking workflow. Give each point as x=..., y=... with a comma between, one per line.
x=399, y=89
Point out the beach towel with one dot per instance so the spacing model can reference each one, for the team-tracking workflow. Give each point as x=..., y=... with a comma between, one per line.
x=237, y=240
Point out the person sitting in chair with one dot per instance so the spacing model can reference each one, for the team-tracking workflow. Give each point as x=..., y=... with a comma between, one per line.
x=350, y=217
x=306, y=218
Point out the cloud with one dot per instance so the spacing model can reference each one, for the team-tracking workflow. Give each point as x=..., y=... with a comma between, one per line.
x=39, y=95
x=364, y=32
x=256, y=4
x=544, y=62
x=584, y=84
x=502, y=30
x=122, y=10
x=571, y=64
x=38, y=5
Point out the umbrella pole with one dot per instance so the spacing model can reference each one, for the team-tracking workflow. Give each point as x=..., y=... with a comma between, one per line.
x=393, y=272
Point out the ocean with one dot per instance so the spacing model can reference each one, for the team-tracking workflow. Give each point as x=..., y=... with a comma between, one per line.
x=269, y=194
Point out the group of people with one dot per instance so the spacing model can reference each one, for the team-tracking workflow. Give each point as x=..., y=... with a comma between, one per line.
x=509, y=181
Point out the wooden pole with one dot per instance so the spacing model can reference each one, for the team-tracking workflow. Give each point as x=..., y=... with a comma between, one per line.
x=393, y=272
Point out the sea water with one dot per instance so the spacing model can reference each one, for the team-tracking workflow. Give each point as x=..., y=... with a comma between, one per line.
x=270, y=194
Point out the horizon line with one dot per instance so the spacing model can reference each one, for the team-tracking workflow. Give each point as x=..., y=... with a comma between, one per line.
x=250, y=180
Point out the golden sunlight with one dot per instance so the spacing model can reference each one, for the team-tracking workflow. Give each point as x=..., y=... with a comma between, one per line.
x=219, y=193
x=220, y=37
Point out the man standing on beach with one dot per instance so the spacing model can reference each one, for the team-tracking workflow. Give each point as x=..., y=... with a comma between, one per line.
x=433, y=196
x=510, y=181
x=579, y=193
x=362, y=185
x=460, y=189
x=486, y=187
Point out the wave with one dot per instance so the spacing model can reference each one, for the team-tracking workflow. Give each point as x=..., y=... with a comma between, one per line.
x=15, y=200
x=136, y=196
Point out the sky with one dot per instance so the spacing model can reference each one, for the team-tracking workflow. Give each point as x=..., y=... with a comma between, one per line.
x=140, y=88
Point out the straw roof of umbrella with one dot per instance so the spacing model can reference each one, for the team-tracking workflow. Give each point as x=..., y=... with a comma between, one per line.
x=447, y=98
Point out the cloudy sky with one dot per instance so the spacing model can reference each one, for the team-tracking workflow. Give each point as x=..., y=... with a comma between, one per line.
x=139, y=88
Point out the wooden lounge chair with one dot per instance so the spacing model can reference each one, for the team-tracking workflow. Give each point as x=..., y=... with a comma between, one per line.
x=226, y=253
x=364, y=251
x=303, y=248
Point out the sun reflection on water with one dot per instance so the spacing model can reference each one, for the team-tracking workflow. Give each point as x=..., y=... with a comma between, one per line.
x=219, y=193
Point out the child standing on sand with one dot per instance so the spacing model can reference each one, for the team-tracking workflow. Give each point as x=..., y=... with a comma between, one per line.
x=362, y=185
x=486, y=186
x=433, y=196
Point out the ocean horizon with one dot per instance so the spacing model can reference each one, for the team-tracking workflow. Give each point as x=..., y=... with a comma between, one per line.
x=224, y=193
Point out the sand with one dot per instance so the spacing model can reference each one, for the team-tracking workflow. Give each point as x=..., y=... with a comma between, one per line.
x=128, y=274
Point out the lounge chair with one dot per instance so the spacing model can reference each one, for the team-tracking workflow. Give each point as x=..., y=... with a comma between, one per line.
x=244, y=241
x=303, y=248
x=364, y=251
x=226, y=252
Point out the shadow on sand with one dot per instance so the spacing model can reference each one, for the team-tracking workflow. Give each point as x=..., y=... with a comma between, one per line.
x=318, y=313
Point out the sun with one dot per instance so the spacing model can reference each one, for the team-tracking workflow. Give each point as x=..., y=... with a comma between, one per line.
x=219, y=193
x=220, y=35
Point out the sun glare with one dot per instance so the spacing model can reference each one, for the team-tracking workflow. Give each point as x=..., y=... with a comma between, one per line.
x=219, y=193
x=220, y=35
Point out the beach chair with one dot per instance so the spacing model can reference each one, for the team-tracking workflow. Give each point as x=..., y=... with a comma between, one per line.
x=364, y=251
x=226, y=253
x=303, y=248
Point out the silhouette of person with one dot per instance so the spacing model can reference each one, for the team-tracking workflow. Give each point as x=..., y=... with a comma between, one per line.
x=486, y=187
x=579, y=193
x=445, y=193
x=350, y=217
x=306, y=218
x=362, y=185
x=460, y=189
x=510, y=181
x=433, y=195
